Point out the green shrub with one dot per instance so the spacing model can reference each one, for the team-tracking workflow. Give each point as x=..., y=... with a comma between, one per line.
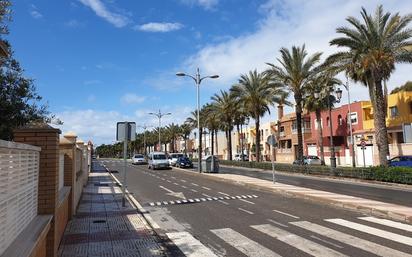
x=402, y=175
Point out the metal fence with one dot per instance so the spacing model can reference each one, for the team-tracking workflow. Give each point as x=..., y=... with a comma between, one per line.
x=19, y=174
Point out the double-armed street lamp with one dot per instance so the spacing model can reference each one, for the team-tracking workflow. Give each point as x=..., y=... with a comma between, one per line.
x=198, y=79
x=338, y=93
x=159, y=115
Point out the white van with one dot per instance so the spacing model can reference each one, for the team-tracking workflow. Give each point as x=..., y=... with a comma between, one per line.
x=158, y=160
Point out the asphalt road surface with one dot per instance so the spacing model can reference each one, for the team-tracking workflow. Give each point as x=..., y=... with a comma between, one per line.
x=223, y=219
x=384, y=193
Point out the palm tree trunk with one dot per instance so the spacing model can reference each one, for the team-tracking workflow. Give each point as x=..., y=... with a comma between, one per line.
x=230, y=144
x=238, y=137
x=257, y=150
x=298, y=100
x=227, y=144
x=213, y=147
x=199, y=154
x=381, y=132
x=185, y=138
x=217, y=144
x=320, y=136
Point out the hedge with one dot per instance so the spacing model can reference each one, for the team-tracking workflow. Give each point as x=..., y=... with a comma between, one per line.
x=402, y=175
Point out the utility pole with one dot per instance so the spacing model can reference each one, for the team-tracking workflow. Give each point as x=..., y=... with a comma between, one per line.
x=159, y=115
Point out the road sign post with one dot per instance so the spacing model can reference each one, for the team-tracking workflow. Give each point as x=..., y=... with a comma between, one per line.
x=363, y=147
x=125, y=131
x=271, y=140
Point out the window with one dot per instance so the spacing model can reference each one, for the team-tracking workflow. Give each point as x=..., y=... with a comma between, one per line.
x=353, y=118
x=282, y=129
x=394, y=111
x=306, y=124
x=340, y=121
x=328, y=122
x=294, y=125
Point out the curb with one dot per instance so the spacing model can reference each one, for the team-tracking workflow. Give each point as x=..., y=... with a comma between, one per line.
x=347, y=206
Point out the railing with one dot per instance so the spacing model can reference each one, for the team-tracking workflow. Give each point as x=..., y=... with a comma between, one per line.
x=19, y=174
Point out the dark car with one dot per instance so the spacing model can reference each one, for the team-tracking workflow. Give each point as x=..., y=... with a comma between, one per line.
x=184, y=162
x=401, y=161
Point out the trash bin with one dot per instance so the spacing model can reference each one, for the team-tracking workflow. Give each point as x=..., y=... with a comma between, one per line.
x=207, y=164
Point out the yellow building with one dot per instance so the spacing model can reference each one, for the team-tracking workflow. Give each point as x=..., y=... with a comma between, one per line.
x=399, y=114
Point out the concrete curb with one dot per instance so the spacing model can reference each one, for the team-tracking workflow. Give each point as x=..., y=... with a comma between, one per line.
x=335, y=203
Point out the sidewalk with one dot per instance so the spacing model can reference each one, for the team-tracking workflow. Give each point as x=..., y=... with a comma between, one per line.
x=102, y=227
x=366, y=206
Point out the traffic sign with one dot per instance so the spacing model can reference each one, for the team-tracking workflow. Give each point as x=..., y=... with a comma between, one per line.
x=363, y=144
x=271, y=140
x=121, y=131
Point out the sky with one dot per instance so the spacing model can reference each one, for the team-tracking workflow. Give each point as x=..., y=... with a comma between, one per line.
x=97, y=62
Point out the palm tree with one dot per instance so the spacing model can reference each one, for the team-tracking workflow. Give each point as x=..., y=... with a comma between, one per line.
x=295, y=72
x=224, y=104
x=185, y=131
x=192, y=122
x=173, y=130
x=373, y=46
x=322, y=84
x=256, y=93
x=212, y=124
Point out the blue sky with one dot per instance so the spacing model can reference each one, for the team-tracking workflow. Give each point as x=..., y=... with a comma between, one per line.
x=100, y=61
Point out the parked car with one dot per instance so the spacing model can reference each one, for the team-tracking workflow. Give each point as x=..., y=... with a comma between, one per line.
x=184, y=162
x=173, y=158
x=158, y=160
x=308, y=160
x=138, y=159
x=238, y=157
x=401, y=161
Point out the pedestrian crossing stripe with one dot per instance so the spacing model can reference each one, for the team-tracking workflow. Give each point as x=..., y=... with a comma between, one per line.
x=197, y=200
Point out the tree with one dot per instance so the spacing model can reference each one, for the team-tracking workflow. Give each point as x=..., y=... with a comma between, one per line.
x=257, y=93
x=406, y=87
x=212, y=123
x=373, y=45
x=185, y=131
x=173, y=130
x=192, y=122
x=322, y=84
x=295, y=71
x=224, y=105
x=19, y=101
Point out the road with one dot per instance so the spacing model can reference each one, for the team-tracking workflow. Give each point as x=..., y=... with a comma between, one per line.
x=255, y=223
x=378, y=192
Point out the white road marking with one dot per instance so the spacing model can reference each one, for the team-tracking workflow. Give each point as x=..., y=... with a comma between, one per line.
x=175, y=184
x=227, y=197
x=223, y=202
x=388, y=223
x=206, y=188
x=189, y=245
x=349, y=239
x=193, y=190
x=173, y=177
x=251, y=213
x=183, y=180
x=222, y=193
x=194, y=184
x=243, y=244
x=373, y=231
x=168, y=190
x=184, y=186
x=296, y=241
x=326, y=241
x=206, y=195
x=152, y=204
x=277, y=223
x=287, y=214
x=246, y=201
x=169, y=181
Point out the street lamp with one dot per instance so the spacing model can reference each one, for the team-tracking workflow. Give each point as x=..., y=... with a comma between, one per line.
x=350, y=123
x=159, y=115
x=338, y=93
x=197, y=80
x=144, y=127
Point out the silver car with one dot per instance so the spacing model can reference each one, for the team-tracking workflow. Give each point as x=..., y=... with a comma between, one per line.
x=173, y=158
x=138, y=159
x=158, y=160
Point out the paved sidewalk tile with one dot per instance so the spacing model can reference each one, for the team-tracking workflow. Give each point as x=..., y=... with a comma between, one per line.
x=102, y=227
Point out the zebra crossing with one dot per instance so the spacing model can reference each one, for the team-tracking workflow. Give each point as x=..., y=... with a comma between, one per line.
x=324, y=241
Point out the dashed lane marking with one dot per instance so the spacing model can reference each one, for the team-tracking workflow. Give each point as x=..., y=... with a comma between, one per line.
x=249, y=212
x=246, y=201
x=193, y=190
x=194, y=184
x=207, y=198
x=223, y=193
x=287, y=214
x=206, y=188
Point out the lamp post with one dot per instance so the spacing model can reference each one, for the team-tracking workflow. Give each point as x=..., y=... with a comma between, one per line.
x=198, y=80
x=159, y=115
x=144, y=127
x=350, y=124
x=332, y=147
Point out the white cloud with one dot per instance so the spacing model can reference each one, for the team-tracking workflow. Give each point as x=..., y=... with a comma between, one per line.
x=118, y=20
x=159, y=27
x=131, y=98
x=206, y=4
x=287, y=23
x=34, y=12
